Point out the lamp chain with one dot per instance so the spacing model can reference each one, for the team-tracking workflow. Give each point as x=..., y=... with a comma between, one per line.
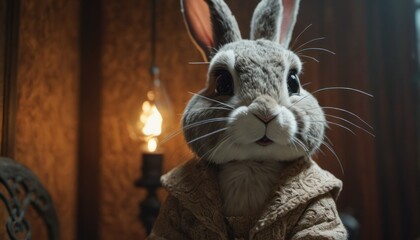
x=154, y=69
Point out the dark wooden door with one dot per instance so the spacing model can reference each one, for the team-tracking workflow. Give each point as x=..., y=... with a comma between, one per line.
x=375, y=48
x=394, y=78
x=9, y=33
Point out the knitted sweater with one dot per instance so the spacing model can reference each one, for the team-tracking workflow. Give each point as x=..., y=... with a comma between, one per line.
x=301, y=206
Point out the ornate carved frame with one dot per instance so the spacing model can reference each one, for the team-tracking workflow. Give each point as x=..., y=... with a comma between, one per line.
x=23, y=190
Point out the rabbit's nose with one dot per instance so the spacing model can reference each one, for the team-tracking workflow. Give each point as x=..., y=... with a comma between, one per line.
x=264, y=108
x=264, y=118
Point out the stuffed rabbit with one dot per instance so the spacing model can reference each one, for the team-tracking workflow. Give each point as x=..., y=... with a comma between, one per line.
x=253, y=129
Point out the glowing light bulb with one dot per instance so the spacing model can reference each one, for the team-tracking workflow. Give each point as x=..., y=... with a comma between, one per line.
x=150, y=123
x=152, y=144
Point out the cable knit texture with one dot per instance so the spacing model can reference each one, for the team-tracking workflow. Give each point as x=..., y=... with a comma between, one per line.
x=302, y=206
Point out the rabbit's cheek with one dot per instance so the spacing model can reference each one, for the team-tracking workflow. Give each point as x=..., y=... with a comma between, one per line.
x=303, y=120
x=245, y=127
x=282, y=128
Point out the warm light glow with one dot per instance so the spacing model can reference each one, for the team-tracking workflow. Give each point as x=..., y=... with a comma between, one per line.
x=152, y=144
x=151, y=120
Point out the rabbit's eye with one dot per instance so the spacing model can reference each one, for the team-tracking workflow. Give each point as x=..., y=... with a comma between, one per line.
x=293, y=85
x=224, y=83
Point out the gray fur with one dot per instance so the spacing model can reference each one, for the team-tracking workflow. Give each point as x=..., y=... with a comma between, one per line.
x=239, y=179
x=225, y=27
x=261, y=68
x=266, y=20
x=227, y=130
x=248, y=171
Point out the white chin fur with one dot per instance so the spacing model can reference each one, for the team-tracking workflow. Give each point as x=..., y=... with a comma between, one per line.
x=245, y=129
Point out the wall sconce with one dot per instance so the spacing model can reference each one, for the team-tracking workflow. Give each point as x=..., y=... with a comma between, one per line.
x=150, y=123
x=152, y=120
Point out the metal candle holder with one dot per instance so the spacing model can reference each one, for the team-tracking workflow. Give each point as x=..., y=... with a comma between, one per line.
x=151, y=172
x=152, y=161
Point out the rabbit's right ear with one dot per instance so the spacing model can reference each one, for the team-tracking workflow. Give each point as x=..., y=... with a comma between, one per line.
x=274, y=20
x=210, y=24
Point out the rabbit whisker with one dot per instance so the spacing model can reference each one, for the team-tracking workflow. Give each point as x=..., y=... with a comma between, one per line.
x=329, y=140
x=208, y=163
x=300, y=34
x=335, y=154
x=170, y=136
x=301, y=144
x=342, y=88
x=343, y=110
x=294, y=144
x=214, y=150
x=331, y=88
x=306, y=56
x=349, y=112
x=322, y=142
x=303, y=98
x=319, y=49
x=199, y=63
x=207, y=135
x=339, y=125
x=210, y=120
x=349, y=122
x=312, y=121
x=212, y=100
x=209, y=151
x=195, y=124
x=312, y=137
x=306, y=84
x=320, y=149
x=202, y=157
x=210, y=108
x=313, y=40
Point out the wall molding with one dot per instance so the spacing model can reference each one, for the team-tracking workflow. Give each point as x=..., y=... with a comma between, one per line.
x=11, y=50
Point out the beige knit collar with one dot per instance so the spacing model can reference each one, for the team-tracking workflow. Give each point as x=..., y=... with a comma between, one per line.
x=195, y=185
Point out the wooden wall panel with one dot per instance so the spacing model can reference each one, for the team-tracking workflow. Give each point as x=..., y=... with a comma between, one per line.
x=395, y=77
x=343, y=24
x=126, y=63
x=47, y=91
x=9, y=43
x=89, y=139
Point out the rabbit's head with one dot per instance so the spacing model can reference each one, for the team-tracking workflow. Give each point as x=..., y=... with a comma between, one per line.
x=253, y=106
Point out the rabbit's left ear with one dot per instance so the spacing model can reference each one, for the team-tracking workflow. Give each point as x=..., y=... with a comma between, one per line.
x=210, y=24
x=197, y=20
x=274, y=20
x=290, y=12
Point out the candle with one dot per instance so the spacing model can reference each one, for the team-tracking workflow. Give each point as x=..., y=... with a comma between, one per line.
x=150, y=123
x=152, y=167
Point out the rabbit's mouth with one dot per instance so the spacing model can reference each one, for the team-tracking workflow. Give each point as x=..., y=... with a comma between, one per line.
x=264, y=141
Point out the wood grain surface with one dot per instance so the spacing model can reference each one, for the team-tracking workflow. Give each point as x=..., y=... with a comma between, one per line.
x=47, y=90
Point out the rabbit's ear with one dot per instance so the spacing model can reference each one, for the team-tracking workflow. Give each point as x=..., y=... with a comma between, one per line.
x=197, y=20
x=274, y=20
x=290, y=12
x=210, y=25
x=266, y=20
